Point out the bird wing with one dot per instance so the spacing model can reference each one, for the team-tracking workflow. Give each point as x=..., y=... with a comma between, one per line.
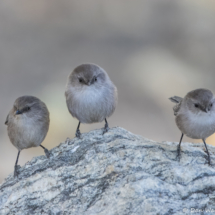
x=6, y=121
x=177, y=100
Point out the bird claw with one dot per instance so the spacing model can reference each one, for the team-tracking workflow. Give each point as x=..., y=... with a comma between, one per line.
x=16, y=172
x=178, y=157
x=78, y=134
x=47, y=153
x=106, y=129
x=209, y=162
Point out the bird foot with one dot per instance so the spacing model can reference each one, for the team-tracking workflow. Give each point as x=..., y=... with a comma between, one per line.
x=47, y=153
x=16, y=170
x=105, y=129
x=209, y=161
x=178, y=157
x=78, y=134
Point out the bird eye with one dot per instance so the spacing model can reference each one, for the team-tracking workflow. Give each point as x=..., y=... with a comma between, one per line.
x=211, y=104
x=28, y=108
x=80, y=80
x=95, y=79
x=196, y=105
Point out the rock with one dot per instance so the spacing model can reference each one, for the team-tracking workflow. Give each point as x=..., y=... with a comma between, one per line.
x=117, y=173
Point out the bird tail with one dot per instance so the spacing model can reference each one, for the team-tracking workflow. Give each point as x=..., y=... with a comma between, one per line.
x=175, y=99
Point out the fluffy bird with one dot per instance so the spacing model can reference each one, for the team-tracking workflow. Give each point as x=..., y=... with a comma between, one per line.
x=27, y=125
x=195, y=116
x=90, y=95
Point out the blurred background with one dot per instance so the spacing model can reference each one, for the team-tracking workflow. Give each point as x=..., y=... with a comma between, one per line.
x=151, y=49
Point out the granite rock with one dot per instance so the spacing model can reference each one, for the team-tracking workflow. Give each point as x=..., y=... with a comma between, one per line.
x=117, y=173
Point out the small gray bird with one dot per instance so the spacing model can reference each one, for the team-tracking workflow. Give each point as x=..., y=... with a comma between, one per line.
x=195, y=116
x=27, y=125
x=90, y=95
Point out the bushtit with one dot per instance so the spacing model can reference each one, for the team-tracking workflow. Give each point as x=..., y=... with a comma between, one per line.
x=27, y=124
x=195, y=116
x=90, y=95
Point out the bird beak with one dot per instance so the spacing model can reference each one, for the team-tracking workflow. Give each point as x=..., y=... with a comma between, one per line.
x=205, y=110
x=89, y=83
x=18, y=112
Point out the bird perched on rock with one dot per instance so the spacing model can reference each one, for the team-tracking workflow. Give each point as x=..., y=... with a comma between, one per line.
x=195, y=116
x=90, y=95
x=27, y=124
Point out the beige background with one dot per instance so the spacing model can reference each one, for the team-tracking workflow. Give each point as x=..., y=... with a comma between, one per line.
x=151, y=49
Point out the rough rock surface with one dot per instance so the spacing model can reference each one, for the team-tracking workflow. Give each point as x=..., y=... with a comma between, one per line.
x=118, y=173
